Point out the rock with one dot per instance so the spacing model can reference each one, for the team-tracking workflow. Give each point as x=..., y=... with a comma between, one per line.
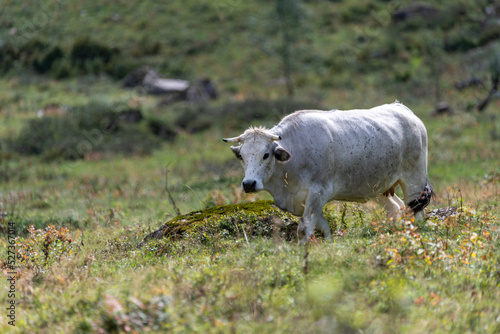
x=450, y=211
x=472, y=81
x=265, y=211
x=442, y=108
x=159, y=86
x=136, y=77
x=130, y=116
x=173, y=90
x=423, y=10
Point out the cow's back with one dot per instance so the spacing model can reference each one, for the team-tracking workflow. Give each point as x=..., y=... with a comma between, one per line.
x=357, y=152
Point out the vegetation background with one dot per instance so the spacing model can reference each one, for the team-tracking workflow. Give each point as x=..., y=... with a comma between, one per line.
x=82, y=184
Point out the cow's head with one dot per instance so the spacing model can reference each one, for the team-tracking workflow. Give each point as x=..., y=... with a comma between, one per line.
x=258, y=151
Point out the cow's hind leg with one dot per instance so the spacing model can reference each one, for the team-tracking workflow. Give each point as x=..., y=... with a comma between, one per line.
x=392, y=205
x=419, y=203
x=417, y=195
x=399, y=202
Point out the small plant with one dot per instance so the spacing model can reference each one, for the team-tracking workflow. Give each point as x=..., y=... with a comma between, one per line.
x=43, y=247
x=134, y=315
x=457, y=240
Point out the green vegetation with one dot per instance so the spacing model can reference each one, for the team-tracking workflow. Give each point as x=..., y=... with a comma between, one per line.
x=81, y=132
x=83, y=186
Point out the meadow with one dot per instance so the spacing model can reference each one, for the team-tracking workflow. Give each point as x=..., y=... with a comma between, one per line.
x=77, y=219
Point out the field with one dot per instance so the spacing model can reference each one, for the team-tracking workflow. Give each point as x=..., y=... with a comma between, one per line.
x=76, y=198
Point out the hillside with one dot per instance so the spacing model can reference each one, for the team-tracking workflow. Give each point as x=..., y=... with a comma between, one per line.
x=394, y=47
x=341, y=54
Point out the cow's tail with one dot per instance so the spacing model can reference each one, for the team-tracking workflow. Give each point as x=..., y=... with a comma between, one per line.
x=424, y=199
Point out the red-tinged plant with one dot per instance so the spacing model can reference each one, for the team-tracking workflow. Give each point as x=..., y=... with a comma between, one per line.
x=457, y=240
x=43, y=246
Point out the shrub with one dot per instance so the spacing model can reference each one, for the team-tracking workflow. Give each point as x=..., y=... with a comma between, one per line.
x=43, y=246
x=234, y=115
x=46, y=62
x=8, y=55
x=462, y=39
x=31, y=51
x=357, y=11
x=62, y=69
x=161, y=129
x=95, y=127
x=120, y=67
x=489, y=34
x=239, y=114
x=146, y=47
x=89, y=56
x=195, y=119
x=35, y=54
x=85, y=56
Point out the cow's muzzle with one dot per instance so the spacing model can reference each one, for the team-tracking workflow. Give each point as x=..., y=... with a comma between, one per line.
x=249, y=186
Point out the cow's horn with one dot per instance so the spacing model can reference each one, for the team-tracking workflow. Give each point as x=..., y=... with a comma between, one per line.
x=232, y=140
x=275, y=137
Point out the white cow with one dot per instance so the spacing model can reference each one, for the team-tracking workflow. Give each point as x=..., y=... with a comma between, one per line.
x=312, y=157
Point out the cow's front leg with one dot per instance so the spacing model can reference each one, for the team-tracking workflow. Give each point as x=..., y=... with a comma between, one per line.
x=305, y=230
x=313, y=214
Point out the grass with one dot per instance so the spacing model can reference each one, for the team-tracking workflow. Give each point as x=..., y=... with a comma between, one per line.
x=79, y=269
x=373, y=277
x=441, y=276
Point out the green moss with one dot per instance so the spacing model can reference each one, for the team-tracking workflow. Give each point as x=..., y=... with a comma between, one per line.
x=187, y=223
x=258, y=207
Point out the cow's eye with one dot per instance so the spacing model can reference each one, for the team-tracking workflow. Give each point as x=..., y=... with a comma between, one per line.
x=266, y=156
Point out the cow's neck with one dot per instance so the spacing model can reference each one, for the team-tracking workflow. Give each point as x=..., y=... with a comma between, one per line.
x=287, y=194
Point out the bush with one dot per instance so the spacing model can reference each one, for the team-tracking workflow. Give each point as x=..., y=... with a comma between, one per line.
x=146, y=47
x=235, y=115
x=43, y=247
x=62, y=69
x=31, y=51
x=489, y=34
x=463, y=39
x=120, y=67
x=240, y=114
x=46, y=62
x=35, y=54
x=161, y=129
x=89, y=56
x=85, y=56
x=195, y=119
x=83, y=130
x=357, y=11
x=98, y=127
x=8, y=55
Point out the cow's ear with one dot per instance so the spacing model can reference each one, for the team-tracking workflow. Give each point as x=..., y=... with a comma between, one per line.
x=236, y=151
x=281, y=154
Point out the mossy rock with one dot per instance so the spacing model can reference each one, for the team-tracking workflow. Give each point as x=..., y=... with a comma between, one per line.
x=260, y=212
